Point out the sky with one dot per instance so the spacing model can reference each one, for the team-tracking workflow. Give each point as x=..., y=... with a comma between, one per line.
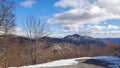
x=95, y=18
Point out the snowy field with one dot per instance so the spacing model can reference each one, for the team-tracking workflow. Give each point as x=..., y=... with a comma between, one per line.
x=114, y=62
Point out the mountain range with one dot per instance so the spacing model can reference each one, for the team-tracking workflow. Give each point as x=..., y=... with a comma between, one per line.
x=77, y=40
x=69, y=41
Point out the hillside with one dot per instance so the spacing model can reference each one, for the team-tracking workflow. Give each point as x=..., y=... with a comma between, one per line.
x=49, y=49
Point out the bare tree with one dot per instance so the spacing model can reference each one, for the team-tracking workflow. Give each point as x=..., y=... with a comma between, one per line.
x=34, y=30
x=7, y=19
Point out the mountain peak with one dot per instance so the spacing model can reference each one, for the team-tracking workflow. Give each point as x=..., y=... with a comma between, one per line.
x=73, y=37
x=76, y=35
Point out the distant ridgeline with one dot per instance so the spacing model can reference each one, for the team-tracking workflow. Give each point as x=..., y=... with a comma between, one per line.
x=114, y=40
x=77, y=40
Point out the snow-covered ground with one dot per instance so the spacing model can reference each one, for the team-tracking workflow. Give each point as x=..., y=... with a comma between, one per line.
x=114, y=62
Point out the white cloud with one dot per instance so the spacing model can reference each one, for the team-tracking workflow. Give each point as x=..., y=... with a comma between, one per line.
x=91, y=13
x=83, y=12
x=113, y=27
x=28, y=3
x=72, y=3
x=17, y=31
x=110, y=5
x=107, y=34
x=101, y=31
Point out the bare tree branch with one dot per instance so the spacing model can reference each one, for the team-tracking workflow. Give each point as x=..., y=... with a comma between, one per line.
x=7, y=19
x=34, y=29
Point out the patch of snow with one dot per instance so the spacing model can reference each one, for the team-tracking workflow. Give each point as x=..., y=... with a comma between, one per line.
x=63, y=62
x=57, y=47
x=114, y=62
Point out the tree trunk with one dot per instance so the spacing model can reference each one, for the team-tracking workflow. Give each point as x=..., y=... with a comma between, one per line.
x=5, y=48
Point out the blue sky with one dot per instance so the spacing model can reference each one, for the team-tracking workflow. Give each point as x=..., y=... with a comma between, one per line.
x=96, y=18
x=39, y=8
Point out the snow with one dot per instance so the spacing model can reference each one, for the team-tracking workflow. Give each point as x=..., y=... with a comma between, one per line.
x=58, y=47
x=114, y=62
x=63, y=62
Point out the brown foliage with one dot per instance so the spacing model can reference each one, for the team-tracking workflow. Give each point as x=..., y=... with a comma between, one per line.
x=18, y=54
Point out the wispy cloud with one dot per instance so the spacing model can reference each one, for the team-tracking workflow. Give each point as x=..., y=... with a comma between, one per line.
x=28, y=3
